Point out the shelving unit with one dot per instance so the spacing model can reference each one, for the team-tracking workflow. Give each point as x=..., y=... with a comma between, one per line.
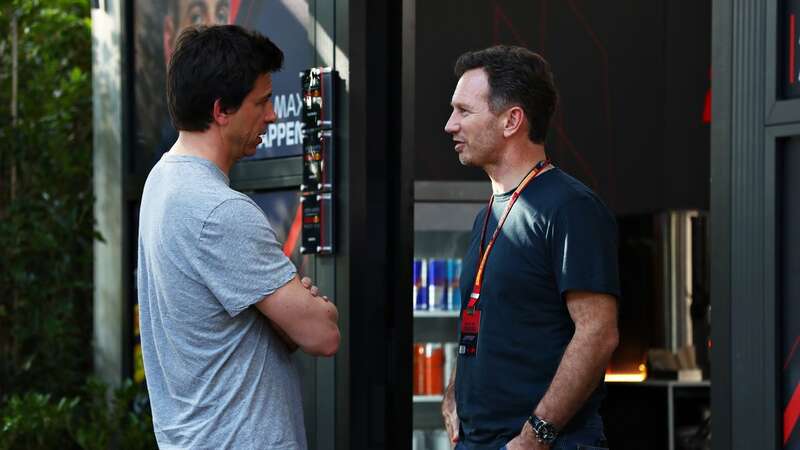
x=651, y=413
x=444, y=213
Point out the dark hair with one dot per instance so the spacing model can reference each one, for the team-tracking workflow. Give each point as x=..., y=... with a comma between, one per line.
x=517, y=77
x=216, y=62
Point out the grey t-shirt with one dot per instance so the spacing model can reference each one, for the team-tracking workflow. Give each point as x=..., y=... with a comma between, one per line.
x=218, y=375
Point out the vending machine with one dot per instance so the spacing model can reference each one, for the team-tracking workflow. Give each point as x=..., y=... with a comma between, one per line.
x=291, y=178
x=444, y=212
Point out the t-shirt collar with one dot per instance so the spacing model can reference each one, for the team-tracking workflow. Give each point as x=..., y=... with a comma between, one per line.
x=169, y=157
x=506, y=196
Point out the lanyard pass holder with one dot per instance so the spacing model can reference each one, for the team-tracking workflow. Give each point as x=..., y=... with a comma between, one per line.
x=470, y=326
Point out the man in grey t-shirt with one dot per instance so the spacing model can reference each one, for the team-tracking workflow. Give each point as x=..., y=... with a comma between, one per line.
x=221, y=307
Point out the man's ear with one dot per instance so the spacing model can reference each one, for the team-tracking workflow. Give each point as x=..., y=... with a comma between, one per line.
x=514, y=120
x=220, y=116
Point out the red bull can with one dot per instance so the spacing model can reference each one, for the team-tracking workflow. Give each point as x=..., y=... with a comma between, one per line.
x=420, y=283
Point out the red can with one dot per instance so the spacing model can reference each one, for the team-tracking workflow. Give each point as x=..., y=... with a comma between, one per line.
x=419, y=369
x=434, y=365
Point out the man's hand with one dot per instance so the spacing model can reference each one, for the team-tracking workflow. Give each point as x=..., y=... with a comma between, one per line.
x=308, y=284
x=450, y=414
x=526, y=440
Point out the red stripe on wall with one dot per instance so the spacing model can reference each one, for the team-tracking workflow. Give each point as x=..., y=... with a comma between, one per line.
x=791, y=49
x=294, y=233
x=790, y=414
x=234, y=11
x=707, y=107
x=791, y=353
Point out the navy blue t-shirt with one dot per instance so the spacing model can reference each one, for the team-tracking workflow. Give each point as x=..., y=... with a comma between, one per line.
x=558, y=237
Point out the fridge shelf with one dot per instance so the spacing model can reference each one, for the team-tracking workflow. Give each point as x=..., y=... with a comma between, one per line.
x=436, y=314
x=428, y=399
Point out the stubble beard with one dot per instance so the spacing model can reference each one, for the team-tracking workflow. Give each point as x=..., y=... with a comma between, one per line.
x=480, y=154
x=462, y=158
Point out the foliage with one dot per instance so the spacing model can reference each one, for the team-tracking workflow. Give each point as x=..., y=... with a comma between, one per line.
x=88, y=421
x=46, y=220
x=47, y=233
x=33, y=421
x=126, y=422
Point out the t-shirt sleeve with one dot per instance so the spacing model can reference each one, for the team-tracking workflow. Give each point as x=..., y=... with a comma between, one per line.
x=240, y=259
x=583, y=247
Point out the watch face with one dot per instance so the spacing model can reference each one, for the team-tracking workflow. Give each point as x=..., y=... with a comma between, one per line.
x=545, y=432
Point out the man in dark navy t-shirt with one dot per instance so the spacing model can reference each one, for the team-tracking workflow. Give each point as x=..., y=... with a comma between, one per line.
x=540, y=323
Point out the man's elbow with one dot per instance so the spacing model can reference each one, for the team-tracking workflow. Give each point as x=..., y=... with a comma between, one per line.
x=610, y=340
x=332, y=343
x=326, y=345
x=602, y=338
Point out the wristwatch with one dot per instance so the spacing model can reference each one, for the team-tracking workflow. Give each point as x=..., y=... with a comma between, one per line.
x=545, y=432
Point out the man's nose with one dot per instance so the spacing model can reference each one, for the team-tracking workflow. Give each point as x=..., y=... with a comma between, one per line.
x=451, y=127
x=271, y=117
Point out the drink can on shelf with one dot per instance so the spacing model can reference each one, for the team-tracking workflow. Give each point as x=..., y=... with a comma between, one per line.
x=437, y=284
x=453, y=284
x=418, y=440
x=434, y=363
x=418, y=382
x=420, y=280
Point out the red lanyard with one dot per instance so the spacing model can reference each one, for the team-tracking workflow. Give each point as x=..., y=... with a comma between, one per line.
x=476, y=288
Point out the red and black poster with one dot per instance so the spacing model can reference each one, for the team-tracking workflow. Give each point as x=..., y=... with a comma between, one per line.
x=789, y=291
x=789, y=72
x=282, y=208
x=157, y=24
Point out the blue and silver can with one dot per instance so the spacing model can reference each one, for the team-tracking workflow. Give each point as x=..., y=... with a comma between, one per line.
x=454, y=284
x=437, y=284
x=420, y=283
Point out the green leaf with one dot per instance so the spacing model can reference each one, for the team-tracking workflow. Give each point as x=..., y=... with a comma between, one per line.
x=76, y=75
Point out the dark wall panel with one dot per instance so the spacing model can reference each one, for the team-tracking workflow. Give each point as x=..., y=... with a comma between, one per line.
x=442, y=35
x=634, y=79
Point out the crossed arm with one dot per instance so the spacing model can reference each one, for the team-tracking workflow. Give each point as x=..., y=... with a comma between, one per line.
x=302, y=318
